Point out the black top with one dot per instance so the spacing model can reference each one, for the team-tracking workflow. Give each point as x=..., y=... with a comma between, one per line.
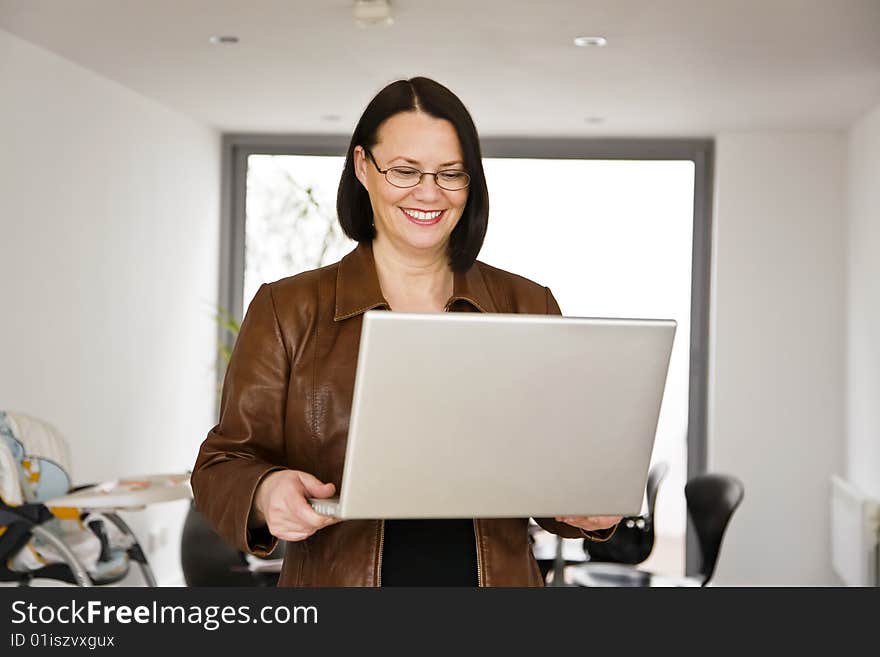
x=429, y=553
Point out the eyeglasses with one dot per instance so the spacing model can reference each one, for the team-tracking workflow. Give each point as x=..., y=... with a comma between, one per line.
x=451, y=180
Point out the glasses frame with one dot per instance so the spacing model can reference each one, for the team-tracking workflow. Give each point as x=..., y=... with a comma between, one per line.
x=422, y=174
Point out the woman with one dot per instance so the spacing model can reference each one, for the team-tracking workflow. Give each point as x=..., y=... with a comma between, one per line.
x=413, y=195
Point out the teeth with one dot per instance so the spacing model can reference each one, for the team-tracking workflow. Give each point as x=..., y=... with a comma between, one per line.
x=422, y=216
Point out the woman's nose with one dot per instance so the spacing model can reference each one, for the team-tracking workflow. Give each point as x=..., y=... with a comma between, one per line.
x=427, y=188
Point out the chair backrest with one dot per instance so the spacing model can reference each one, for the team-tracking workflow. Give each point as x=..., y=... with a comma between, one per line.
x=711, y=501
x=41, y=454
x=10, y=484
x=655, y=476
x=207, y=560
x=633, y=541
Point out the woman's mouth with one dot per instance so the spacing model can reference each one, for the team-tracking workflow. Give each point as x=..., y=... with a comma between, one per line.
x=423, y=217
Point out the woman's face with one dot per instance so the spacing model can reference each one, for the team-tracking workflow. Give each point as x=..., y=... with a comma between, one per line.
x=408, y=217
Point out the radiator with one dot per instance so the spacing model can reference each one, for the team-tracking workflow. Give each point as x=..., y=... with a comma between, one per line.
x=855, y=534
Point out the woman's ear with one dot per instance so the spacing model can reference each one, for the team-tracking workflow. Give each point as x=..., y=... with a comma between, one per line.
x=360, y=165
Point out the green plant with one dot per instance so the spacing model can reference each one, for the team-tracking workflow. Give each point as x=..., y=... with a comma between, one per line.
x=288, y=230
x=231, y=326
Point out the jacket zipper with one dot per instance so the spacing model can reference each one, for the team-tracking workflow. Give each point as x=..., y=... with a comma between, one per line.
x=379, y=558
x=479, y=557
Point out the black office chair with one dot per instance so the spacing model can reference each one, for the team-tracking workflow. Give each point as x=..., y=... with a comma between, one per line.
x=208, y=560
x=633, y=541
x=711, y=501
x=630, y=544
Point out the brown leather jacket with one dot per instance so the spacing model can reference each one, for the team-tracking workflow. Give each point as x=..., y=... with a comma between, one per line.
x=286, y=403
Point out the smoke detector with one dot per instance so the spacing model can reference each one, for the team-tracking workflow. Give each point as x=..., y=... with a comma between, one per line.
x=372, y=13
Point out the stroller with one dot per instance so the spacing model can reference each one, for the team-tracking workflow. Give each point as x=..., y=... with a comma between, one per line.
x=50, y=530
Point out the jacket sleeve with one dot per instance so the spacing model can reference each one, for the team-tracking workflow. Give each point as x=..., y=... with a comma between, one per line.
x=248, y=442
x=549, y=524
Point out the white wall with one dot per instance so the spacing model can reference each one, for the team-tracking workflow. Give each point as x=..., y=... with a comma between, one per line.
x=863, y=306
x=108, y=272
x=776, y=387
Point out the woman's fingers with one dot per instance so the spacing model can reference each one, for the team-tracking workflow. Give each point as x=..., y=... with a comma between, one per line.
x=294, y=529
x=289, y=515
x=314, y=487
x=590, y=522
x=291, y=535
x=303, y=512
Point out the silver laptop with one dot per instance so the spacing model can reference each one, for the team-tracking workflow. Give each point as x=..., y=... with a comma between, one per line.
x=471, y=415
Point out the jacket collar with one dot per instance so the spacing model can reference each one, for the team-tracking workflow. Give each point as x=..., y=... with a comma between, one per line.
x=357, y=286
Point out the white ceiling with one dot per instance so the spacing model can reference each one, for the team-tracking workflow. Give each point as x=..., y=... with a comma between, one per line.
x=671, y=68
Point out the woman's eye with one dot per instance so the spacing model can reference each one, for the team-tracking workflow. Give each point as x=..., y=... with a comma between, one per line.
x=451, y=175
x=405, y=171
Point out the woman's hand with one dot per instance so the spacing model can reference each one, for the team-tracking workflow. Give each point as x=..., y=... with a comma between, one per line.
x=281, y=503
x=590, y=523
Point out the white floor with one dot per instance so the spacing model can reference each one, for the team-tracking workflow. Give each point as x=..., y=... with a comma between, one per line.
x=667, y=557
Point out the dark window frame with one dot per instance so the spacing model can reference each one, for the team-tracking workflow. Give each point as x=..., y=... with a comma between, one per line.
x=237, y=148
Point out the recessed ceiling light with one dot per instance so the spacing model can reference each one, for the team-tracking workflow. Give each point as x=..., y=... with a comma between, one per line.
x=224, y=39
x=372, y=13
x=588, y=41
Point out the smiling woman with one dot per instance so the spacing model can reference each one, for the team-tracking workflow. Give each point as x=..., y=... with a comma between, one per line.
x=416, y=125
x=414, y=220
x=403, y=207
x=418, y=210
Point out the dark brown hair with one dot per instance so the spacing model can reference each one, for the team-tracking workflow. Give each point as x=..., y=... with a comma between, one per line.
x=432, y=98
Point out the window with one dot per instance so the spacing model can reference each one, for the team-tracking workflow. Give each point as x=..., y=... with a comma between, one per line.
x=614, y=229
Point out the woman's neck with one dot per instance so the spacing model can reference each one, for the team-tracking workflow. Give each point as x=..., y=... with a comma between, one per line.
x=413, y=282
